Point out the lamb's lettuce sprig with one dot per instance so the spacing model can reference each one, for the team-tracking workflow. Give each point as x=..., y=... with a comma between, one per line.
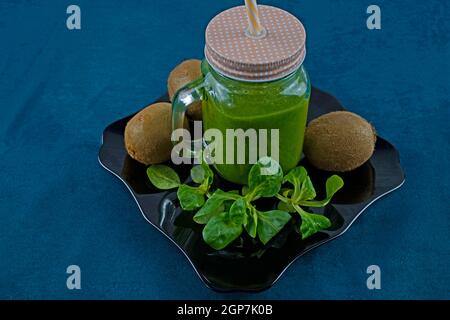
x=226, y=214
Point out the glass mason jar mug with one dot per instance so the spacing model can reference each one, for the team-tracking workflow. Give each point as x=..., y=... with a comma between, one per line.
x=265, y=101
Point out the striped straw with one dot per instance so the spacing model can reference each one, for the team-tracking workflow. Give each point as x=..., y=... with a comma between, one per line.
x=255, y=29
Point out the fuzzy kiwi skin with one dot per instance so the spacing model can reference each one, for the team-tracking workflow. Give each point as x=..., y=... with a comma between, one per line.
x=147, y=134
x=184, y=73
x=339, y=141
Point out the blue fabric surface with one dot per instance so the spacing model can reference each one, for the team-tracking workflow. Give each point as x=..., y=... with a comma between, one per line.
x=60, y=88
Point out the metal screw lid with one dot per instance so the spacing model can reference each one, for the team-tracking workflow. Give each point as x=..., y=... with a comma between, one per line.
x=231, y=51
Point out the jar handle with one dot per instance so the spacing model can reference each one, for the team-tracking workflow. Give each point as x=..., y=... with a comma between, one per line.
x=182, y=100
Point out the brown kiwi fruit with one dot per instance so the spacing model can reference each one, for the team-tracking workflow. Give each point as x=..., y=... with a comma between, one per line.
x=339, y=141
x=183, y=74
x=147, y=134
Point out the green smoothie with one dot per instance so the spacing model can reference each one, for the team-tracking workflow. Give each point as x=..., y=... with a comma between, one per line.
x=280, y=104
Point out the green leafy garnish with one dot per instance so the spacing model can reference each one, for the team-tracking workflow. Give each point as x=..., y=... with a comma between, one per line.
x=226, y=214
x=303, y=187
x=163, y=177
x=270, y=223
x=333, y=185
x=191, y=198
x=251, y=221
x=237, y=211
x=198, y=174
x=312, y=223
x=204, y=175
x=264, y=179
x=284, y=206
x=214, y=205
x=221, y=230
x=303, y=195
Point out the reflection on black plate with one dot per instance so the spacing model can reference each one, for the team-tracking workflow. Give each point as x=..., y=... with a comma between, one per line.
x=246, y=264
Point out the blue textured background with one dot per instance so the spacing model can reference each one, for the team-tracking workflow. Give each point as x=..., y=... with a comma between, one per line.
x=60, y=88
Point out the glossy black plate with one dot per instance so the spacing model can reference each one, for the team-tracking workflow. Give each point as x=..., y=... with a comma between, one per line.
x=247, y=265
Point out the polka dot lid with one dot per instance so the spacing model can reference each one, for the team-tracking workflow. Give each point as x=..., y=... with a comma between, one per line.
x=232, y=52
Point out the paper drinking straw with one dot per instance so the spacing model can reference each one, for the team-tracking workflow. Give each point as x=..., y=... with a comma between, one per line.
x=254, y=24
